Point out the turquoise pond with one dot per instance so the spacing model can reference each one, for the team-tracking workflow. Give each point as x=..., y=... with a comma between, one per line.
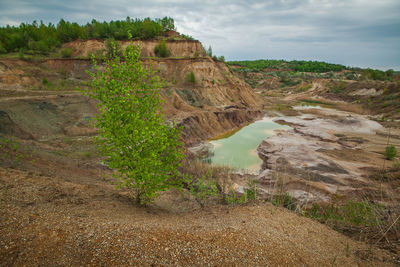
x=239, y=151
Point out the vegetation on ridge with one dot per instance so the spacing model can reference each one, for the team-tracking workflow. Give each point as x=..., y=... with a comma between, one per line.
x=308, y=66
x=42, y=38
x=294, y=65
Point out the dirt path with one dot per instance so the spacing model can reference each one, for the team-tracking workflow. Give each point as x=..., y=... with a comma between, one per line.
x=47, y=221
x=36, y=97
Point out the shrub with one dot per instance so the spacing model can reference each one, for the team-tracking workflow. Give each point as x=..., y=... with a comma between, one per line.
x=209, y=51
x=2, y=49
x=161, y=49
x=66, y=53
x=390, y=152
x=143, y=149
x=45, y=82
x=113, y=48
x=202, y=189
x=285, y=200
x=190, y=77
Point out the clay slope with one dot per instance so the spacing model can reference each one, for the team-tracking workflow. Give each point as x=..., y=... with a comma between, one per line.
x=212, y=104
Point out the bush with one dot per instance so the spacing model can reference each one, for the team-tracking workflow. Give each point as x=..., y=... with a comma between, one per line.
x=390, y=152
x=285, y=200
x=143, y=149
x=202, y=189
x=66, y=53
x=45, y=82
x=2, y=49
x=161, y=49
x=190, y=77
x=113, y=48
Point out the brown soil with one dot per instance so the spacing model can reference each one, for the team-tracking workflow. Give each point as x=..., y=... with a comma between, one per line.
x=48, y=221
x=177, y=48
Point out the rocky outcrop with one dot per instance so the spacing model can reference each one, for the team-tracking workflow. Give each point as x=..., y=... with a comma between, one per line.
x=321, y=156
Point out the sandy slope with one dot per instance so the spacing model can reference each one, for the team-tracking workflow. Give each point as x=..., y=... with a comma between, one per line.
x=50, y=222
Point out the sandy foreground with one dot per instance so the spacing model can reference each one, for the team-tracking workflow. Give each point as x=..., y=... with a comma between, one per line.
x=46, y=221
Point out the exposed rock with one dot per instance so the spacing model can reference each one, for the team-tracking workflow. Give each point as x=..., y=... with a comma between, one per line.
x=177, y=48
x=367, y=92
x=201, y=150
x=301, y=156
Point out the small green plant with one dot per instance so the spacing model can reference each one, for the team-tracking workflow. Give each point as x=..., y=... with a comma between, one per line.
x=66, y=53
x=250, y=193
x=191, y=77
x=45, y=82
x=333, y=261
x=390, y=152
x=161, y=49
x=202, y=189
x=231, y=198
x=285, y=200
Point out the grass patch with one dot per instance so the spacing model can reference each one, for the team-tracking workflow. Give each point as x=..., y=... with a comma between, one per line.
x=358, y=213
x=315, y=102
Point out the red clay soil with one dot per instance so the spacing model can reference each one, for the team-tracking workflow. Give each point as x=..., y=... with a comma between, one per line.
x=46, y=221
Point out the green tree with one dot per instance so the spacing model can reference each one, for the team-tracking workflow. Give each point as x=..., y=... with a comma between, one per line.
x=209, y=51
x=138, y=143
x=161, y=49
x=167, y=24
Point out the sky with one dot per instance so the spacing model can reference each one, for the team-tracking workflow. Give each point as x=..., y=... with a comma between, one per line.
x=358, y=33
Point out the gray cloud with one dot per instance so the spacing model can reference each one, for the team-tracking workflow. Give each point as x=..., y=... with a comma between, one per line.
x=353, y=32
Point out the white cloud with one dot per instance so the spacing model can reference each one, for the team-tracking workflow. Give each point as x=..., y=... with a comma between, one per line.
x=352, y=32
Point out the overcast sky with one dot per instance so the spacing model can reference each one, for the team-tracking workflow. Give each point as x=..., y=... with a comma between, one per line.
x=364, y=33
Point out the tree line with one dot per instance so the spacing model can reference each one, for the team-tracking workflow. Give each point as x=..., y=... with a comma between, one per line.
x=310, y=66
x=42, y=38
x=294, y=65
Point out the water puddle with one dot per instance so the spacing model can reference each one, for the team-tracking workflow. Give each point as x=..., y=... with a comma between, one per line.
x=238, y=150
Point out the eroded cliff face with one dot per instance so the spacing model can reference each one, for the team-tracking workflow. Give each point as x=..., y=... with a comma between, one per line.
x=38, y=97
x=177, y=48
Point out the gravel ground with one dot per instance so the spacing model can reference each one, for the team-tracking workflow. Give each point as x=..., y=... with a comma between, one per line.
x=46, y=221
